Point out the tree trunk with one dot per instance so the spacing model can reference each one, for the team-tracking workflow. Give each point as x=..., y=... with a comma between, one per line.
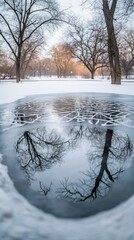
x=23, y=76
x=92, y=74
x=18, y=65
x=113, y=51
x=114, y=61
x=17, y=70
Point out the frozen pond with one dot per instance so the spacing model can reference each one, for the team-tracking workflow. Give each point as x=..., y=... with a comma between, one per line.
x=70, y=155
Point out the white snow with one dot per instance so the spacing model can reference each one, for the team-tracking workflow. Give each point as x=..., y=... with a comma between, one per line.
x=9, y=92
x=19, y=220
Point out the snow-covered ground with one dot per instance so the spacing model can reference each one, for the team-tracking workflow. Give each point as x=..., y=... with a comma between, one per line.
x=11, y=91
x=19, y=220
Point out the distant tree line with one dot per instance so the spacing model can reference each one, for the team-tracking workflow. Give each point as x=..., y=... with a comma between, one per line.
x=68, y=60
x=101, y=46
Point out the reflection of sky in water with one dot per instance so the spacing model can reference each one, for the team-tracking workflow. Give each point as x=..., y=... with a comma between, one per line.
x=73, y=164
x=84, y=155
x=78, y=138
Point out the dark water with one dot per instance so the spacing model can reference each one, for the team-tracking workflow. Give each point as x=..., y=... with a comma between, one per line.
x=70, y=155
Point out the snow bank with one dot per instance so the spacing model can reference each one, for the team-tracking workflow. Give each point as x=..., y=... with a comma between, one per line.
x=10, y=92
x=19, y=220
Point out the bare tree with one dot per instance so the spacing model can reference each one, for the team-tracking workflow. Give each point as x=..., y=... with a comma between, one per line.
x=111, y=10
x=21, y=19
x=62, y=59
x=29, y=51
x=38, y=151
x=44, y=189
x=127, y=52
x=87, y=43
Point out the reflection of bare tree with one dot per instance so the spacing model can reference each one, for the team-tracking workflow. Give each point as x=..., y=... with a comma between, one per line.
x=99, y=180
x=79, y=132
x=38, y=151
x=107, y=151
x=44, y=189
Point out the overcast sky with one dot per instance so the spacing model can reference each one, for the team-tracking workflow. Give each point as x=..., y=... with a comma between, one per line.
x=76, y=9
x=74, y=6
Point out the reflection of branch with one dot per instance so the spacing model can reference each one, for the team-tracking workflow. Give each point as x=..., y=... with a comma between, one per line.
x=69, y=190
x=78, y=132
x=45, y=190
x=120, y=152
x=38, y=150
x=83, y=191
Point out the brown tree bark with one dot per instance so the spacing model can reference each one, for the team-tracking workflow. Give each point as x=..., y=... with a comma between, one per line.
x=113, y=50
x=18, y=66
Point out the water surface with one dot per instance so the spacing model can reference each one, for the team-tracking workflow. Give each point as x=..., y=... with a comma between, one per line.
x=70, y=155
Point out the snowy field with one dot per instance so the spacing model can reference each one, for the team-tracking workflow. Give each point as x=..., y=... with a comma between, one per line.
x=19, y=220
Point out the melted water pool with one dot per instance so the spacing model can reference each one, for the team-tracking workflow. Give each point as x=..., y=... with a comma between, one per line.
x=70, y=155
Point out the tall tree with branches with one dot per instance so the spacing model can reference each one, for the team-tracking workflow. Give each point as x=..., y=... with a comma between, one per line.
x=21, y=19
x=87, y=43
x=109, y=8
x=127, y=52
